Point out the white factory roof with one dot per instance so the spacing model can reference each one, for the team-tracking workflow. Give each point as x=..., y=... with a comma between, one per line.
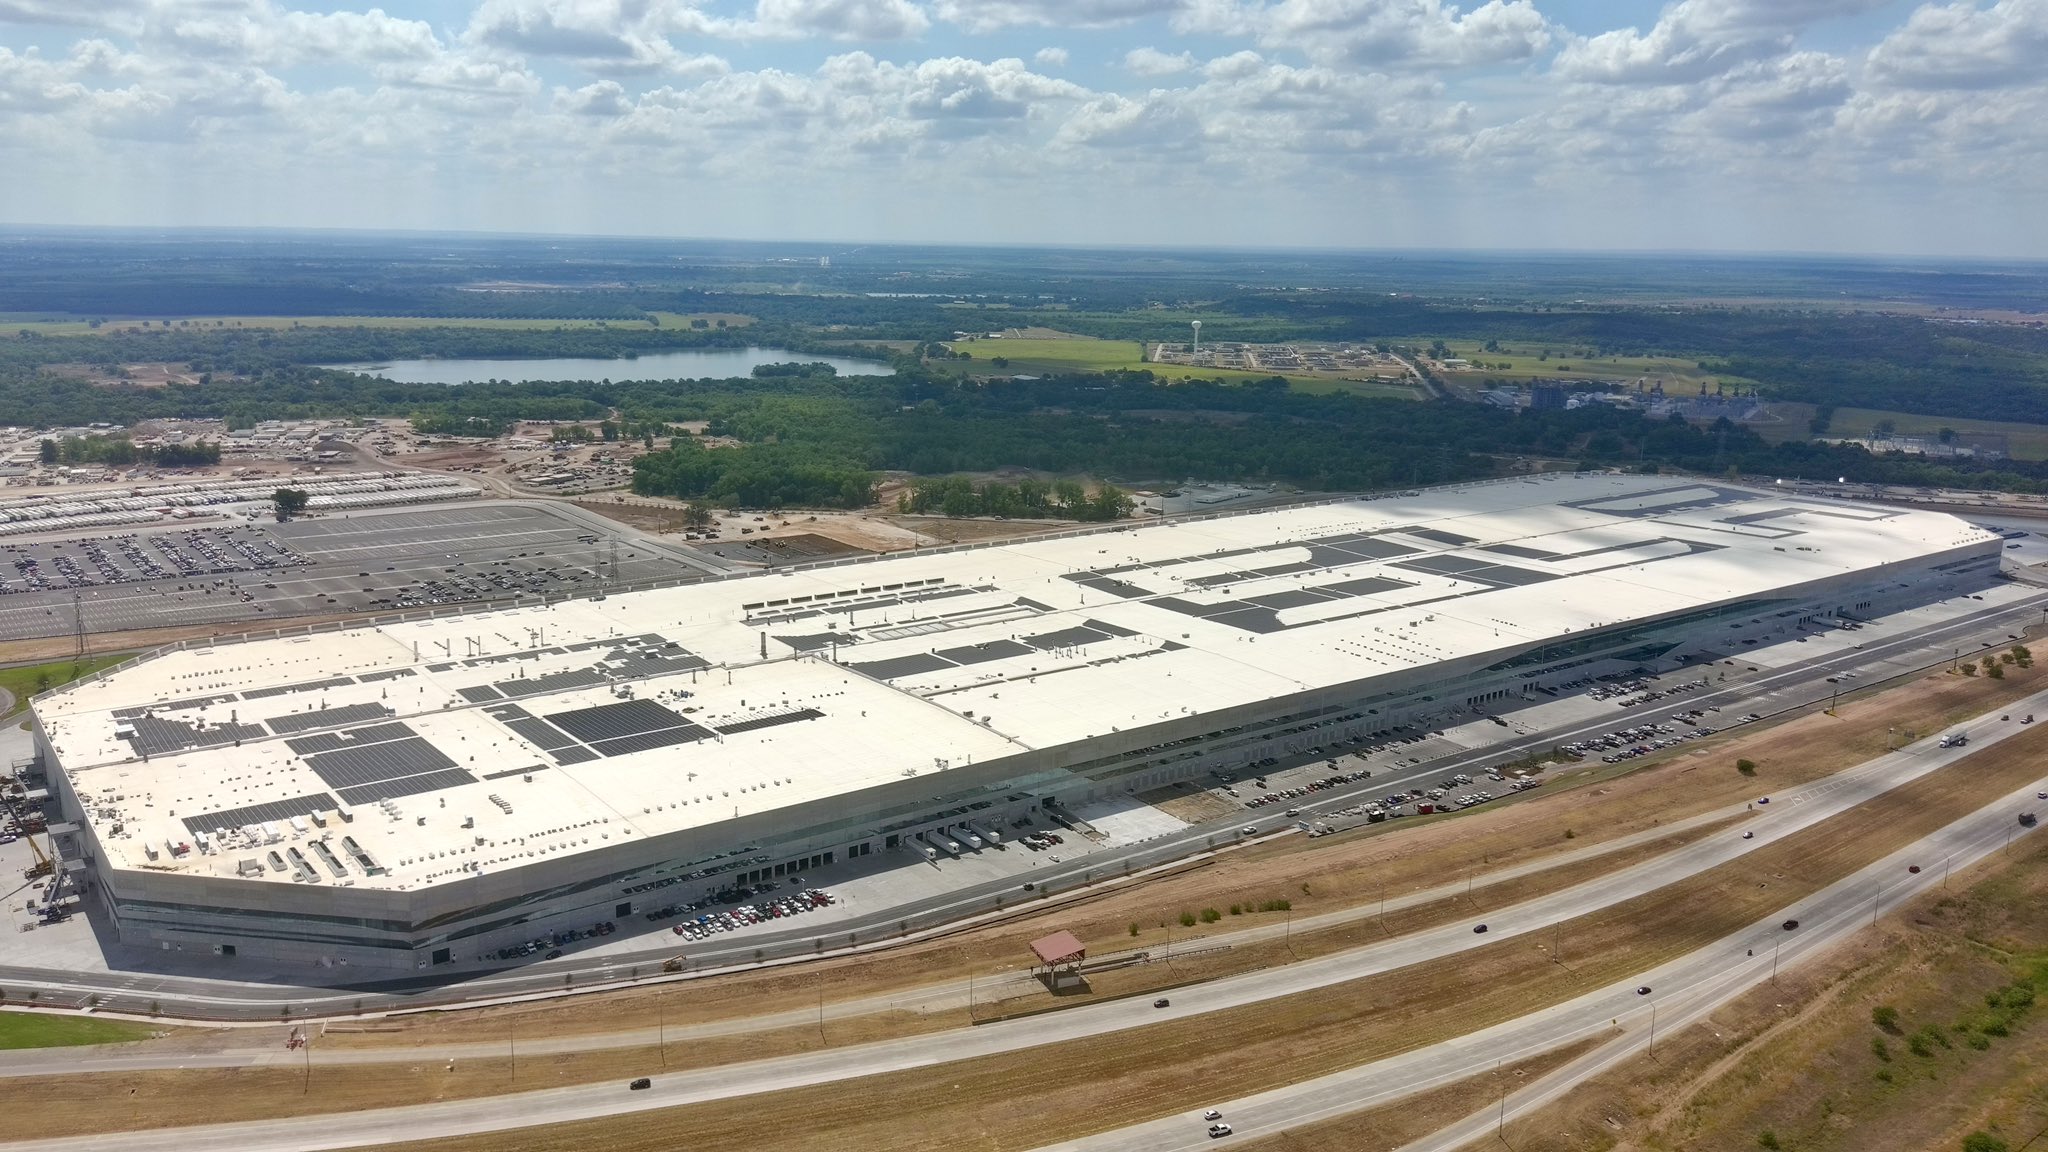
x=571, y=726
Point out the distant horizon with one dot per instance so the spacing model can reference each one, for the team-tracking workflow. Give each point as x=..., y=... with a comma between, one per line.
x=287, y=231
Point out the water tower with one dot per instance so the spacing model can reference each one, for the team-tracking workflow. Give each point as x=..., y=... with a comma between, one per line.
x=1195, y=349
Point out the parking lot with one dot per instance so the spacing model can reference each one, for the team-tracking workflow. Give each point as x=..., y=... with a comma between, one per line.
x=253, y=574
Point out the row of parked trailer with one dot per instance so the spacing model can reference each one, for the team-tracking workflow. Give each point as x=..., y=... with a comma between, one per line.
x=958, y=839
x=152, y=503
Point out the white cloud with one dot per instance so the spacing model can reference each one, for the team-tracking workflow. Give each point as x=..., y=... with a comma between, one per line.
x=1150, y=61
x=840, y=19
x=1410, y=34
x=628, y=32
x=1961, y=45
x=1298, y=111
x=1697, y=39
x=993, y=15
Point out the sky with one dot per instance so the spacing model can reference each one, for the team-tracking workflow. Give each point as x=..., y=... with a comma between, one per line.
x=1851, y=126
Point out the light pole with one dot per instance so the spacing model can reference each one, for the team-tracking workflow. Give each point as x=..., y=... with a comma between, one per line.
x=661, y=1030
x=1501, y=1124
x=1653, y=1029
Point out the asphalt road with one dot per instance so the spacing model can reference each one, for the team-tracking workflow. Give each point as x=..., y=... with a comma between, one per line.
x=182, y=994
x=1685, y=985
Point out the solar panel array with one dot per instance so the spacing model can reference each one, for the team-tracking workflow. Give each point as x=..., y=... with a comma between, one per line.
x=307, y=686
x=326, y=718
x=751, y=723
x=261, y=813
x=628, y=726
x=379, y=762
x=155, y=736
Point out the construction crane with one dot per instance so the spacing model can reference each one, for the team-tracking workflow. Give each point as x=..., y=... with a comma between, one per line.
x=44, y=865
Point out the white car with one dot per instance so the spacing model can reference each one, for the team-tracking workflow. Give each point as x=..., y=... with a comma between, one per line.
x=1247, y=830
x=1212, y=1114
x=1216, y=1130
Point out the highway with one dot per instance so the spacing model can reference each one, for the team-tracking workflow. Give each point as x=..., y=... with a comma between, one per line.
x=1686, y=990
x=180, y=994
x=1684, y=986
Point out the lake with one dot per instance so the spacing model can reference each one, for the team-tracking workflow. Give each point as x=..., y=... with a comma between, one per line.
x=693, y=364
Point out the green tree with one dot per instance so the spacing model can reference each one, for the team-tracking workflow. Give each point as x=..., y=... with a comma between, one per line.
x=47, y=451
x=289, y=502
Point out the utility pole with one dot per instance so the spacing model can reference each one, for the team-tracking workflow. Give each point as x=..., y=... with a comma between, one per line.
x=77, y=627
x=661, y=1030
x=512, y=1046
x=1653, y=1029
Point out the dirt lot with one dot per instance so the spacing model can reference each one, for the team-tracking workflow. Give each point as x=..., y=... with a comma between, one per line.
x=149, y=375
x=459, y=458
x=1806, y=1060
x=944, y=530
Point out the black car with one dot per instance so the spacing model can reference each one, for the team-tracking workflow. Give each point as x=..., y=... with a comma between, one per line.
x=1790, y=925
x=1161, y=1002
x=1642, y=989
x=641, y=1083
x=1479, y=927
x=555, y=955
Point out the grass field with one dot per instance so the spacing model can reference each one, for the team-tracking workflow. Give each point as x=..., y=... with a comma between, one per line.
x=2023, y=441
x=1559, y=362
x=1082, y=354
x=45, y=327
x=33, y=1030
x=26, y=680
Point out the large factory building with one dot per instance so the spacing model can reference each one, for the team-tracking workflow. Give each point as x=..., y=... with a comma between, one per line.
x=400, y=794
